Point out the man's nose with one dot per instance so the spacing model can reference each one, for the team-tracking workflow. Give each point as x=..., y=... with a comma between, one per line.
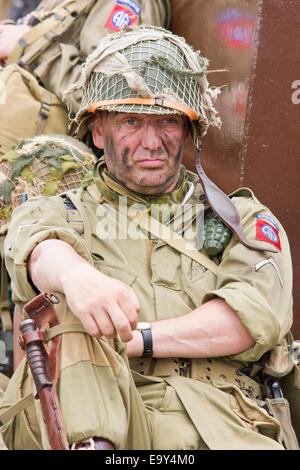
x=151, y=137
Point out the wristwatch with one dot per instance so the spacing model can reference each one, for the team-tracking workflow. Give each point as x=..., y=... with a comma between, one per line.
x=145, y=329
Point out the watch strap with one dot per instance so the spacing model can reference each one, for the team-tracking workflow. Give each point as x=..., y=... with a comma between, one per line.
x=147, y=338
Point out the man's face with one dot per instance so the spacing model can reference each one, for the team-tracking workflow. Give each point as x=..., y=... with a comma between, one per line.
x=143, y=151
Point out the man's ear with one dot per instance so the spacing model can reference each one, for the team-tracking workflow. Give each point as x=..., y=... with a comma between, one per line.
x=97, y=131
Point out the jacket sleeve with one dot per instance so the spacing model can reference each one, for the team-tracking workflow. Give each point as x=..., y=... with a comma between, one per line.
x=59, y=66
x=258, y=284
x=40, y=218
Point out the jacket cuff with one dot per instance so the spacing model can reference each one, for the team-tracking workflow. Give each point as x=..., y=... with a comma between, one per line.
x=249, y=305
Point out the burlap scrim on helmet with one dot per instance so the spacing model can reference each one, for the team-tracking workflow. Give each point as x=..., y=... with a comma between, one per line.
x=147, y=62
x=45, y=165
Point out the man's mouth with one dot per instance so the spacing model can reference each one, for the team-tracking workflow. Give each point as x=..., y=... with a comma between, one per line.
x=151, y=162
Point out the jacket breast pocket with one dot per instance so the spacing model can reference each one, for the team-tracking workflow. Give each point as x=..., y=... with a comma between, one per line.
x=116, y=272
x=196, y=280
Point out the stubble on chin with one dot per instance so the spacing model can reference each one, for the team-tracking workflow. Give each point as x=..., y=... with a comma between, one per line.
x=141, y=183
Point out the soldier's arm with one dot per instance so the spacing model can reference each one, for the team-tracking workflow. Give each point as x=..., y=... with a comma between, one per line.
x=104, y=305
x=42, y=247
x=212, y=330
x=250, y=310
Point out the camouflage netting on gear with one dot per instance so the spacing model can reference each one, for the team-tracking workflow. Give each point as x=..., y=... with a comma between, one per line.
x=45, y=165
x=147, y=62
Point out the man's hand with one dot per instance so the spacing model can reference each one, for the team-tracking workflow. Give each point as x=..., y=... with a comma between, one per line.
x=9, y=35
x=104, y=305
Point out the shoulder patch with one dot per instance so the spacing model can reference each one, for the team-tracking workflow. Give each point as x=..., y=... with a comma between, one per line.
x=269, y=219
x=267, y=233
x=124, y=13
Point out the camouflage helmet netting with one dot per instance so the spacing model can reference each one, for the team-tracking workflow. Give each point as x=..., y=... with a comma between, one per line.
x=147, y=62
x=45, y=165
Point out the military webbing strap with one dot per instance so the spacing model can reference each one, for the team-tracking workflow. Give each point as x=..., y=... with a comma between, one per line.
x=4, y=300
x=15, y=409
x=26, y=401
x=44, y=112
x=77, y=217
x=40, y=35
x=173, y=239
x=64, y=328
x=198, y=369
x=146, y=222
x=153, y=226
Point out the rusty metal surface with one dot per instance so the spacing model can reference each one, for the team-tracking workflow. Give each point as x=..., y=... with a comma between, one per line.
x=258, y=145
x=223, y=30
x=270, y=162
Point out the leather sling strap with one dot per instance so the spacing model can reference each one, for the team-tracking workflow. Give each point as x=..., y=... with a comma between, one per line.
x=222, y=205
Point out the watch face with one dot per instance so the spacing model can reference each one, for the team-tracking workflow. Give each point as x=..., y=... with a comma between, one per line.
x=143, y=326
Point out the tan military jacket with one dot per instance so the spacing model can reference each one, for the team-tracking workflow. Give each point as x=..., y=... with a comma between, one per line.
x=167, y=284
x=4, y=9
x=58, y=67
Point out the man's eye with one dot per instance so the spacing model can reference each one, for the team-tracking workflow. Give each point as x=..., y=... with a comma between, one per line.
x=131, y=122
x=170, y=121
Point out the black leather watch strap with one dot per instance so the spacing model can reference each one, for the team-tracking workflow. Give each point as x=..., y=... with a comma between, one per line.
x=147, y=337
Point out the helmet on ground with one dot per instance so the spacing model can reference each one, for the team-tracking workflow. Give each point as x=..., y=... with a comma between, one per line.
x=42, y=165
x=147, y=70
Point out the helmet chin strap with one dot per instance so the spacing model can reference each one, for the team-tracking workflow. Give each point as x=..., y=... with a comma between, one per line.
x=222, y=205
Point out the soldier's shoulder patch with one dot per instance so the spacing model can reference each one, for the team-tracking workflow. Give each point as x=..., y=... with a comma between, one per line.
x=267, y=233
x=125, y=13
x=269, y=219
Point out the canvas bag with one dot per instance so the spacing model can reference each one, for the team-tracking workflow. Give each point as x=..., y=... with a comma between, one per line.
x=27, y=108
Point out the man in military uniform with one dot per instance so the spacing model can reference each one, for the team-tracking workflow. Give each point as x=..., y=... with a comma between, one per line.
x=52, y=43
x=160, y=338
x=58, y=65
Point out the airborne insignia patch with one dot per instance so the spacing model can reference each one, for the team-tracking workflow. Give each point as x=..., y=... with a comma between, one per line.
x=267, y=233
x=124, y=13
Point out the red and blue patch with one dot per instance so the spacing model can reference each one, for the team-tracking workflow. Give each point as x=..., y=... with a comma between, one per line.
x=124, y=13
x=267, y=232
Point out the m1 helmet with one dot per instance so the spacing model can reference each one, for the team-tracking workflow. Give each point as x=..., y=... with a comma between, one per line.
x=147, y=70
x=42, y=165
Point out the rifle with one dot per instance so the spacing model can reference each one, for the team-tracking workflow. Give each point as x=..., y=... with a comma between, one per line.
x=44, y=364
